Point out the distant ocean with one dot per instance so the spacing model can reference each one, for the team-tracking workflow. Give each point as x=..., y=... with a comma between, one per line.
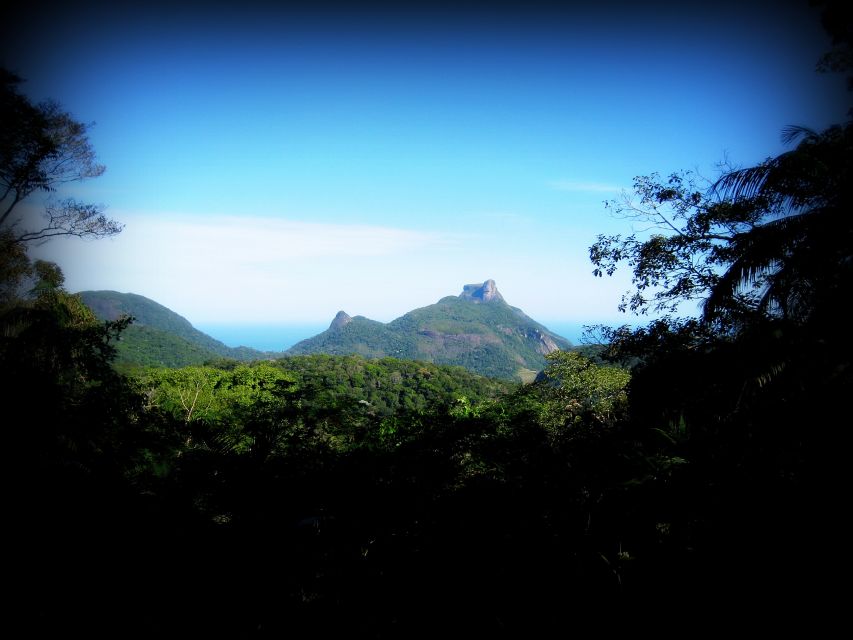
x=264, y=337
x=571, y=331
x=280, y=337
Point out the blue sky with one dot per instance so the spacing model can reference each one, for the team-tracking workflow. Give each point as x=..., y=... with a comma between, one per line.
x=274, y=166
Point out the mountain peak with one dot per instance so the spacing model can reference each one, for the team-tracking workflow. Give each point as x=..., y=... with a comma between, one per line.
x=486, y=292
x=341, y=320
x=476, y=329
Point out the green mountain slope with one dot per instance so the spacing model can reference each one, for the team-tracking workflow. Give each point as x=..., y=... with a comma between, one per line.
x=158, y=335
x=145, y=346
x=477, y=330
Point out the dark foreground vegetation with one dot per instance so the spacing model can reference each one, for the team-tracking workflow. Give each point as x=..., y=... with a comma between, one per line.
x=391, y=499
x=338, y=494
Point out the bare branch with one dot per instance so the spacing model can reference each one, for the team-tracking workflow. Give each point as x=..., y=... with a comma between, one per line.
x=41, y=148
x=71, y=218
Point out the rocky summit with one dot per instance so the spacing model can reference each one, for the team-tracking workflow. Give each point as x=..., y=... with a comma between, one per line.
x=486, y=292
x=340, y=320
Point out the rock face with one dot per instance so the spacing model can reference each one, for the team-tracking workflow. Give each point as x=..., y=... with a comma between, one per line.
x=545, y=342
x=486, y=292
x=340, y=321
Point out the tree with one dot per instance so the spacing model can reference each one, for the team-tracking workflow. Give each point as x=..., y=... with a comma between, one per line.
x=801, y=257
x=734, y=414
x=42, y=147
x=745, y=398
x=681, y=259
x=769, y=241
x=579, y=391
x=14, y=266
x=188, y=393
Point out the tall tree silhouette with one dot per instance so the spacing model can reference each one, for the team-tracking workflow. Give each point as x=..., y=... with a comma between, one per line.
x=802, y=254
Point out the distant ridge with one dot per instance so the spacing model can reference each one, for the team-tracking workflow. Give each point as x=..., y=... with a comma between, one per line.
x=476, y=329
x=158, y=335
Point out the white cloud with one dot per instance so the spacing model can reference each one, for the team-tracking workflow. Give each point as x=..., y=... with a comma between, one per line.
x=230, y=266
x=258, y=240
x=268, y=270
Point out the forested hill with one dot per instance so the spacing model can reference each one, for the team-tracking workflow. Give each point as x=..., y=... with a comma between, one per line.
x=158, y=335
x=476, y=329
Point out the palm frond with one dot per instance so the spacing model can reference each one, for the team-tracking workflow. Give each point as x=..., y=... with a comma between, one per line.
x=792, y=133
x=789, y=181
x=743, y=183
x=770, y=373
x=760, y=254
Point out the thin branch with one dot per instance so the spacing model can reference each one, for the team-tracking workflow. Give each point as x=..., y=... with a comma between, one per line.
x=9, y=209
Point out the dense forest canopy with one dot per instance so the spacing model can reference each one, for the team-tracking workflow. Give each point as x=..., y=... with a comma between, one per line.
x=387, y=497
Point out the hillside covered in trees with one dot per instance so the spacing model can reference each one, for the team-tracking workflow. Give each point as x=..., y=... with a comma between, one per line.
x=477, y=330
x=158, y=336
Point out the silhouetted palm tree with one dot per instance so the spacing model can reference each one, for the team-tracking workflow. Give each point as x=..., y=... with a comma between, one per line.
x=800, y=259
